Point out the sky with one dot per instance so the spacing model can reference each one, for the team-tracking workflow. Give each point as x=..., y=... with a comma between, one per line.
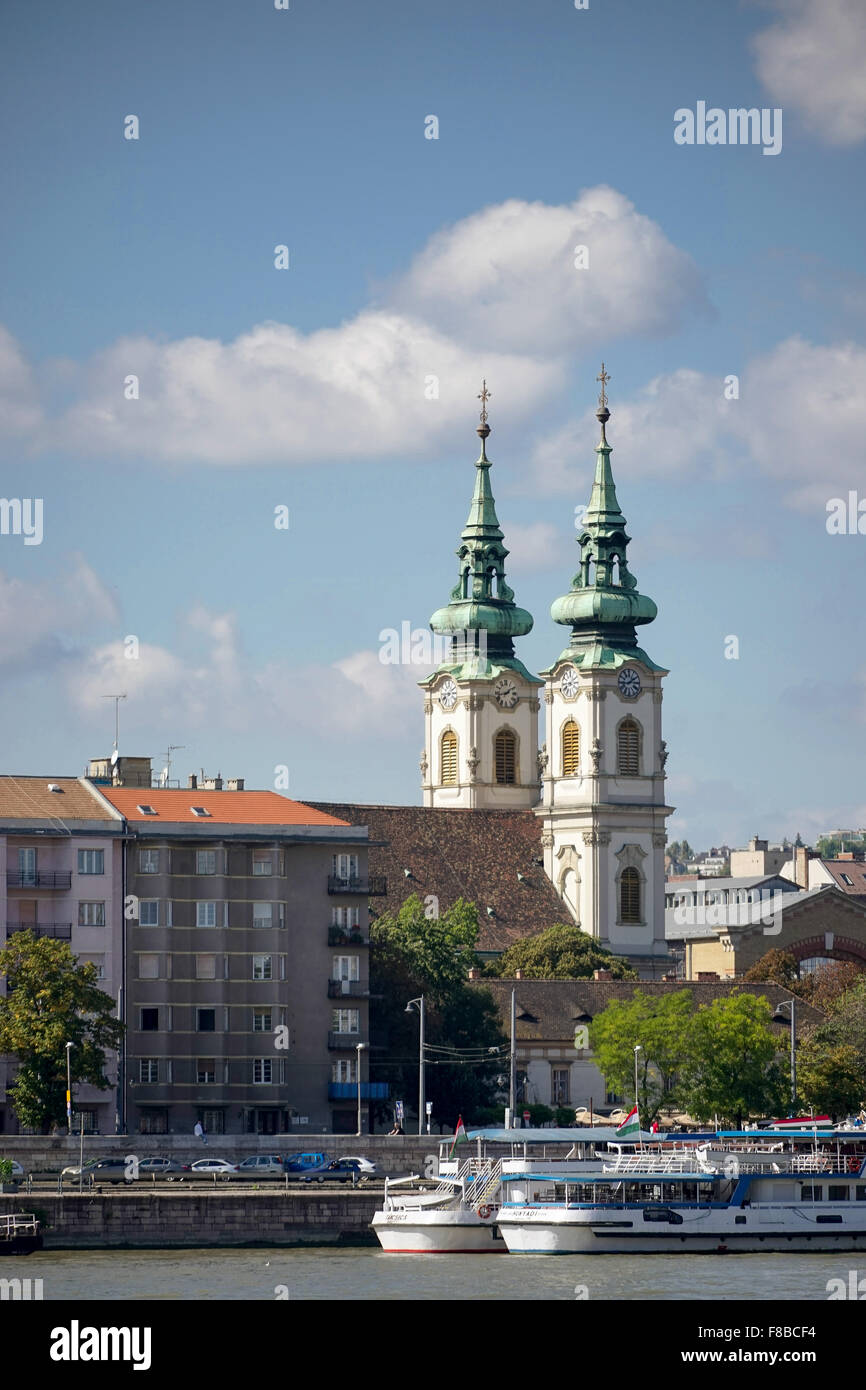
x=169, y=392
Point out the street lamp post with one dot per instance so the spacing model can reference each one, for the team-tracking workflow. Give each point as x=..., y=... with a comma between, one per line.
x=780, y=1017
x=68, y=1091
x=419, y=1002
x=359, y=1048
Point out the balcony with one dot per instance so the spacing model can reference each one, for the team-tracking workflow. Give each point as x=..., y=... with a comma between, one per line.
x=347, y=989
x=15, y=879
x=347, y=936
x=61, y=931
x=373, y=886
x=348, y=1090
x=344, y=1042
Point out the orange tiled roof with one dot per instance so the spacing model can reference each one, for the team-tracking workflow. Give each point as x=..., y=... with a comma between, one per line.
x=226, y=808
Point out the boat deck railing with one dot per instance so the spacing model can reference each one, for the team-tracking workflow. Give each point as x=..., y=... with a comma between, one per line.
x=659, y=1163
x=18, y=1224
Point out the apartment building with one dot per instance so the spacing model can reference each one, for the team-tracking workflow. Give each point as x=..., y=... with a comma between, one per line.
x=61, y=876
x=247, y=981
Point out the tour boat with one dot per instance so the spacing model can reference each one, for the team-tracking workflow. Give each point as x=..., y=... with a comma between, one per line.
x=460, y=1216
x=734, y=1197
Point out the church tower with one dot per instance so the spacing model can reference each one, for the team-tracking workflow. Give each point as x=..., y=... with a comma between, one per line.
x=603, y=762
x=481, y=704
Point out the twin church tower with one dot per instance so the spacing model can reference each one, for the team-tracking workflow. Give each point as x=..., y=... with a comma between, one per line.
x=597, y=781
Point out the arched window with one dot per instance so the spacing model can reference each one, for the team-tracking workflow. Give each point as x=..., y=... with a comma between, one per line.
x=629, y=896
x=628, y=749
x=449, y=758
x=505, y=758
x=570, y=749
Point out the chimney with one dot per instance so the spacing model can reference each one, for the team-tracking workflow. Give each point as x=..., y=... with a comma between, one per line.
x=850, y=854
x=708, y=975
x=671, y=976
x=801, y=866
x=192, y=782
x=235, y=784
x=602, y=975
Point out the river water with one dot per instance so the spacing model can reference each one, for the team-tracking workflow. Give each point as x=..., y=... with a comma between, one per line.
x=325, y=1273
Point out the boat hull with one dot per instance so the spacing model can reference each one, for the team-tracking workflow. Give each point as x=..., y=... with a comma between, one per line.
x=438, y=1233
x=712, y=1232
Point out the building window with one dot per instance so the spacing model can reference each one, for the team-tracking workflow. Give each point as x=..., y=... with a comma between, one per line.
x=344, y=1070
x=262, y=914
x=263, y=863
x=205, y=967
x=98, y=961
x=27, y=867
x=205, y=1020
x=153, y=1122
x=345, y=866
x=261, y=1020
x=505, y=758
x=263, y=1069
x=205, y=861
x=148, y=861
x=262, y=968
x=345, y=916
x=570, y=748
x=148, y=912
x=629, y=896
x=148, y=967
x=560, y=1085
x=206, y=1071
x=91, y=914
x=345, y=1021
x=149, y=1020
x=628, y=748
x=205, y=914
x=213, y=1121
x=449, y=759
x=91, y=861
x=148, y=1071
x=846, y=879
x=345, y=968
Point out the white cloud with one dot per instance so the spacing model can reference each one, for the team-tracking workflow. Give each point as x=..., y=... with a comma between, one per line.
x=534, y=545
x=20, y=412
x=41, y=623
x=506, y=276
x=814, y=59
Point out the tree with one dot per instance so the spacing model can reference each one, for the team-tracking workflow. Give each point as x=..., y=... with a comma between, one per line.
x=51, y=1000
x=561, y=952
x=831, y=1076
x=823, y=987
x=777, y=967
x=732, y=1067
x=659, y=1024
x=417, y=951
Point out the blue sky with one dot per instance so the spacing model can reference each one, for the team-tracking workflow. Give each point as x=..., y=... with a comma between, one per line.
x=412, y=257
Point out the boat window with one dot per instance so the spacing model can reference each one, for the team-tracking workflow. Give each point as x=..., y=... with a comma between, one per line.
x=827, y=1219
x=810, y=1193
x=739, y=1220
x=837, y=1194
x=861, y=1193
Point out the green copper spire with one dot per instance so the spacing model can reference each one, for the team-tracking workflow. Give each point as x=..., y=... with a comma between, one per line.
x=603, y=607
x=481, y=616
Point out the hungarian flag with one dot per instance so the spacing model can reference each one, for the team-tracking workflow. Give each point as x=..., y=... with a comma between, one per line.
x=630, y=1125
x=459, y=1133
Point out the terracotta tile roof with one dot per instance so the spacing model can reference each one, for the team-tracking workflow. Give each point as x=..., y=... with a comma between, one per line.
x=475, y=855
x=28, y=798
x=226, y=808
x=549, y=1009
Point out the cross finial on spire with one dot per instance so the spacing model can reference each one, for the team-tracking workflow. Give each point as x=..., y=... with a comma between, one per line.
x=604, y=378
x=484, y=396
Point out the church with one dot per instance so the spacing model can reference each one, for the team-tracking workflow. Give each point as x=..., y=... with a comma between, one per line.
x=537, y=822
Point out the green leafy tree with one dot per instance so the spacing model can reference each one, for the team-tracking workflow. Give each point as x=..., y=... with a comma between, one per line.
x=732, y=1068
x=417, y=952
x=831, y=1077
x=659, y=1025
x=51, y=1000
x=562, y=952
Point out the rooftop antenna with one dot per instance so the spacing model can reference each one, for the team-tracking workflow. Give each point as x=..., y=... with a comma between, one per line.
x=172, y=748
x=117, y=699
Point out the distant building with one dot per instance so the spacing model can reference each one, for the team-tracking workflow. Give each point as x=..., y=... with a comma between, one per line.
x=759, y=858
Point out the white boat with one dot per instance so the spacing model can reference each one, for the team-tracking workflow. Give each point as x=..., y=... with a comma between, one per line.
x=460, y=1216
x=719, y=1199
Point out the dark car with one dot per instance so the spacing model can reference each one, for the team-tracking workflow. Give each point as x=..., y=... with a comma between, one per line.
x=299, y=1165
x=338, y=1170
x=111, y=1170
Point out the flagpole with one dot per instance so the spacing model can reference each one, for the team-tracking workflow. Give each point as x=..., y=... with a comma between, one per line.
x=637, y=1049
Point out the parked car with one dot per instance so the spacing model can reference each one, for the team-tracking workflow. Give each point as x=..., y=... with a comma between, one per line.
x=211, y=1167
x=73, y=1169
x=366, y=1168
x=338, y=1170
x=113, y=1170
x=304, y=1163
x=17, y=1170
x=261, y=1166
x=167, y=1168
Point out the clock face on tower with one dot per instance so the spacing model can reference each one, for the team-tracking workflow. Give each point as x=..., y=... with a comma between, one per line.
x=448, y=694
x=570, y=683
x=505, y=692
x=629, y=683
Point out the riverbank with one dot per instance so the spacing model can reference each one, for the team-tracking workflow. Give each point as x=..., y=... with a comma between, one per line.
x=163, y=1219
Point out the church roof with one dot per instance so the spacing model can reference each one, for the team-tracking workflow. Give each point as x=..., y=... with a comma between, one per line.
x=455, y=853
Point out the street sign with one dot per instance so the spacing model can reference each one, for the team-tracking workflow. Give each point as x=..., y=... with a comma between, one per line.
x=399, y=1109
x=429, y=1107
x=526, y=1117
